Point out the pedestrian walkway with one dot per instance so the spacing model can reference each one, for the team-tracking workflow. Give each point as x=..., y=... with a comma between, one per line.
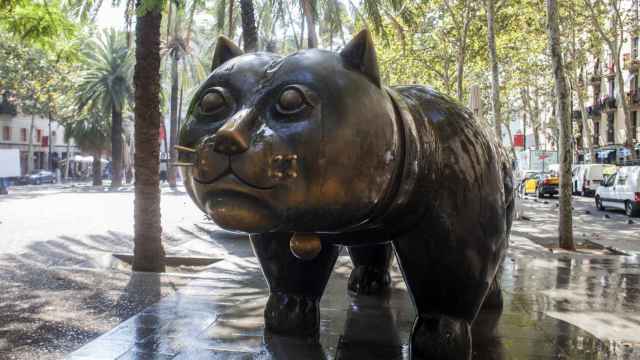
x=556, y=306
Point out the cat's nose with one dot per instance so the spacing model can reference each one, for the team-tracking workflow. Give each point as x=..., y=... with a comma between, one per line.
x=233, y=137
x=229, y=142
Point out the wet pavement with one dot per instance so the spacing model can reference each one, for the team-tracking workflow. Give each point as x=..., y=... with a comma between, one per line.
x=557, y=306
x=611, y=228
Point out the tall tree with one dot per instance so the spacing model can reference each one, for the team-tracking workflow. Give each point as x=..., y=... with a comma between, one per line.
x=309, y=10
x=249, y=29
x=490, y=9
x=462, y=12
x=36, y=79
x=185, y=69
x=148, y=253
x=563, y=114
x=106, y=87
x=176, y=49
x=581, y=45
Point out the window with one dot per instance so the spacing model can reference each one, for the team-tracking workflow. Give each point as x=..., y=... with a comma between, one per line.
x=53, y=137
x=6, y=133
x=610, y=129
x=634, y=47
x=23, y=135
x=596, y=132
x=38, y=135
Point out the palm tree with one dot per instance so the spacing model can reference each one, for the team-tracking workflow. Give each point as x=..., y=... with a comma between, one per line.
x=105, y=86
x=148, y=253
x=90, y=131
x=179, y=51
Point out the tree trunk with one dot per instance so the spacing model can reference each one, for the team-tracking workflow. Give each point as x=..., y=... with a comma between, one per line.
x=230, y=15
x=50, y=144
x=148, y=252
x=129, y=13
x=536, y=123
x=116, y=147
x=173, y=131
x=308, y=9
x=302, y=23
x=628, y=123
x=97, y=168
x=30, y=145
x=66, y=168
x=460, y=72
x=249, y=29
x=586, y=129
x=524, y=95
x=513, y=150
x=495, y=80
x=462, y=49
x=563, y=112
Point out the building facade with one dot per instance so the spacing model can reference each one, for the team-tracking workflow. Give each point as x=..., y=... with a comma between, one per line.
x=15, y=129
x=605, y=112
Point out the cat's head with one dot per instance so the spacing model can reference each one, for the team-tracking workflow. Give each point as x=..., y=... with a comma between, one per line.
x=303, y=143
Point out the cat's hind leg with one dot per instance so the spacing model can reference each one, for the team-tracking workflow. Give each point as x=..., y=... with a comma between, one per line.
x=295, y=285
x=370, y=273
x=448, y=276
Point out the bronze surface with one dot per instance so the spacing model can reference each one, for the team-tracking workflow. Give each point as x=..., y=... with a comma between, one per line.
x=309, y=151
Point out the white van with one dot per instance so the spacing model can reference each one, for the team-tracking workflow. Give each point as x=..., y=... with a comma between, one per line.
x=622, y=191
x=586, y=178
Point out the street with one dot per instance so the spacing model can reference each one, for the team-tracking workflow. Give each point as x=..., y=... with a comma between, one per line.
x=610, y=228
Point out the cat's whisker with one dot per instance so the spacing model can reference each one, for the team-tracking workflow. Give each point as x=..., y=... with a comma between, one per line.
x=184, y=148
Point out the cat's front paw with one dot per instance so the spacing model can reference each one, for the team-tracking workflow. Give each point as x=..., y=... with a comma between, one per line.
x=292, y=315
x=369, y=280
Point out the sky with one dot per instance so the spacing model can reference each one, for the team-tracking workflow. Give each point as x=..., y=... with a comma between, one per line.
x=110, y=17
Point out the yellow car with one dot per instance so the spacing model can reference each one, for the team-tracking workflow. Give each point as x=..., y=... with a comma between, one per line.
x=530, y=185
x=542, y=184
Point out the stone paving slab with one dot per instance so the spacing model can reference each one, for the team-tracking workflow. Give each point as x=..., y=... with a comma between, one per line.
x=547, y=298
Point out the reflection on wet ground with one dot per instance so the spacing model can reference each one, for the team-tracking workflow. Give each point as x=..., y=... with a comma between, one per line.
x=554, y=305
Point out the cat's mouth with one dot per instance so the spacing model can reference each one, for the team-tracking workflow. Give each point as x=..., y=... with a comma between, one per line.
x=229, y=172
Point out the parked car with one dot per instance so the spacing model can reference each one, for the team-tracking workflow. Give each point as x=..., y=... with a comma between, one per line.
x=38, y=177
x=587, y=177
x=530, y=182
x=621, y=191
x=542, y=184
x=547, y=185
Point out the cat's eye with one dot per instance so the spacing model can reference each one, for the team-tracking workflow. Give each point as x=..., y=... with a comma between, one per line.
x=213, y=101
x=292, y=100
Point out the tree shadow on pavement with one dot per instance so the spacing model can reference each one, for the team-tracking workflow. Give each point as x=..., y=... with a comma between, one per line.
x=61, y=293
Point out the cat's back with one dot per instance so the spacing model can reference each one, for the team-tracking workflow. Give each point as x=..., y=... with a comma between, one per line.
x=451, y=123
x=463, y=153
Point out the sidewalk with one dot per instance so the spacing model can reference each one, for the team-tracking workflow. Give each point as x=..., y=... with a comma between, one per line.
x=556, y=306
x=610, y=228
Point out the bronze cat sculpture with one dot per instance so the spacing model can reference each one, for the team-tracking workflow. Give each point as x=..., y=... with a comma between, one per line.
x=309, y=152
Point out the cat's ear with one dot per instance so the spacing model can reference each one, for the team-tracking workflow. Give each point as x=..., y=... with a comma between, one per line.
x=225, y=50
x=360, y=55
